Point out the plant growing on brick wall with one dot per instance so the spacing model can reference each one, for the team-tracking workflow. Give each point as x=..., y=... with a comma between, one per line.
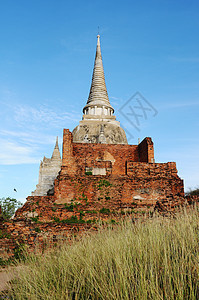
x=91, y=211
x=105, y=211
x=88, y=173
x=4, y=234
x=35, y=219
x=84, y=197
x=76, y=204
x=57, y=220
x=104, y=182
x=91, y=221
x=81, y=214
x=69, y=207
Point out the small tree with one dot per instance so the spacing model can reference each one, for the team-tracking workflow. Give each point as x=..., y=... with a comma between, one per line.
x=192, y=192
x=9, y=206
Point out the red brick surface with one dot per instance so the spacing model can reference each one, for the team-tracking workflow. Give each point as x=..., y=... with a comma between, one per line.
x=78, y=156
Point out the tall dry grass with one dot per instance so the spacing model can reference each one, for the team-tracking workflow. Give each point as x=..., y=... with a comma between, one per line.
x=157, y=259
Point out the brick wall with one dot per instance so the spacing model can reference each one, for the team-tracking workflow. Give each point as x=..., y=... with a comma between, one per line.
x=79, y=156
x=146, y=151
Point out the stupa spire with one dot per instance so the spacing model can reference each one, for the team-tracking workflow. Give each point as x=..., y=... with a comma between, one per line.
x=98, y=124
x=56, y=152
x=98, y=96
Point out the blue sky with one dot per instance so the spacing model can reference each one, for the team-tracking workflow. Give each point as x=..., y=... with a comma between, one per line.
x=46, y=59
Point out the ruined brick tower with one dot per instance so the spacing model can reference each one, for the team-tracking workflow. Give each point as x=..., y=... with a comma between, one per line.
x=97, y=150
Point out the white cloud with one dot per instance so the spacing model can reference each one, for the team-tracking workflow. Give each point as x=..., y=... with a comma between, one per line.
x=115, y=101
x=30, y=137
x=27, y=130
x=178, y=104
x=184, y=59
x=12, y=153
x=43, y=115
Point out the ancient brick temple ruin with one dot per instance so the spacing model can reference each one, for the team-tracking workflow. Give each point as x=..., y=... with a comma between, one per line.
x=97, y=149
x=100, y=176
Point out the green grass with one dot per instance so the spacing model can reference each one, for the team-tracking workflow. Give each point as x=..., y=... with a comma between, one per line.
x=157, y=259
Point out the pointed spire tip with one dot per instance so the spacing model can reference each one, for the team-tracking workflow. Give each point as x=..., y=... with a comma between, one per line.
x=56, y=144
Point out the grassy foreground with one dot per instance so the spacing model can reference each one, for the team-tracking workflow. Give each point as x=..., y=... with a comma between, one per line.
x=157, y=259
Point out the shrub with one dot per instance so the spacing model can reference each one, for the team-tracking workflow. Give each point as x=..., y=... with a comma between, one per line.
x=9, y=206
x=193, y=192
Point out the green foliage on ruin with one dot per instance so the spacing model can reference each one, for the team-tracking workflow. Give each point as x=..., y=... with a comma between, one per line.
x=91, y=211
x=35, y=219
x=88, y=173
x=37, y=229
x=104, y=182
x=91, y=221
x=69, y=207
x=105, y=211
x=73, y=220
x=4, y=234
